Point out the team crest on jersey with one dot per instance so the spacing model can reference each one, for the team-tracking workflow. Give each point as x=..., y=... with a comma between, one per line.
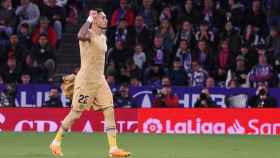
x=82, y=106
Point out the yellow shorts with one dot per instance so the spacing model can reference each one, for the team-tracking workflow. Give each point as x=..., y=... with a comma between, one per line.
x=97, y=97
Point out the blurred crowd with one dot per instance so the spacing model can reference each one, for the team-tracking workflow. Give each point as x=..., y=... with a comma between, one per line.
x=30, y=33
x=227, y=43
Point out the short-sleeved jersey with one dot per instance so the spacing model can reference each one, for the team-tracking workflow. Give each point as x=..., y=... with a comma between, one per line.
x=92, y=60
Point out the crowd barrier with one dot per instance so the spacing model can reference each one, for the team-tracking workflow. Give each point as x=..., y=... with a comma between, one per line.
x=35, y=95
x=144, y=120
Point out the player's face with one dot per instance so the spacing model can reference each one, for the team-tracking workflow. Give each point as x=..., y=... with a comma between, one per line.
x=101, y=20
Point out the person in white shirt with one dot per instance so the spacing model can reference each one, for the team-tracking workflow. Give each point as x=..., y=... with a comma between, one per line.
x=139, y=57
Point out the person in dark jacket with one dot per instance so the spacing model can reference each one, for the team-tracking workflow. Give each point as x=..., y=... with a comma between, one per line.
x=204, y=100
x=122, y=99
x=54, y=100
x=262, y=99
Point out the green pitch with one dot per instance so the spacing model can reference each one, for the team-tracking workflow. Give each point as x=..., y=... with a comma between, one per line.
x=32, y=145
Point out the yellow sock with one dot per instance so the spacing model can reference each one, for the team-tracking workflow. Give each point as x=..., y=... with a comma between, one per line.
x=59, y=135
x=112, y=139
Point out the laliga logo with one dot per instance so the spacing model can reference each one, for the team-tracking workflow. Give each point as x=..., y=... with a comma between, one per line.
x=152, y=126
x=2, y=120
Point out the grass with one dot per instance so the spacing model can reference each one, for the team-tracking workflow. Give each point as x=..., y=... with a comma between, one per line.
x=76, y=145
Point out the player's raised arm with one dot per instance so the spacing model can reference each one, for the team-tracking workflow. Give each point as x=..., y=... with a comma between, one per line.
x=84, y=33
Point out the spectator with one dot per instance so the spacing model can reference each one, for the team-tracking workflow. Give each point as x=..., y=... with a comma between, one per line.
x=135, y=82
x=185, y=33
x=204, y=33
x=139, y=57
x=210, y=83
x=198, y=75
x=111, y=80
x=8, y=96
x=165, y=98
x=232, y=84
x=249, y=55
x=72, y=14
x=124, y=11
x=273, y=42
x=123, y=33
x=165, y=81
x=256, y=17
x=122, y=99
x=251, y=37
x=43, y=54
x=25, y=79
x=111, y=69
x=56, y=15
x=166, y=14
x=28, y=12
x=261, y=50
x=11, y=72
x=153, y=74
x=213, y=16
x=273, y=12
x=149, y=13
x=119, y=54
x=165, y=30
x=133, y=69
x=54, y=99
x=188, y=12
x=177, y=74
x=262, y=72
x=24, y=36
x=169, y=13
x=159, y=53
x=45, y=28
x=232, y=35
x=7, y=16
x=16, y=50
x=38, y=73
x=204, y=100
x=204, y=56
x=223, y=62
x=123, y=75
x=4, y=100
x=262, y=99
x=143, y=35
x=236, y=13
x=4, y=35
x=239, y=72
x=185, y=55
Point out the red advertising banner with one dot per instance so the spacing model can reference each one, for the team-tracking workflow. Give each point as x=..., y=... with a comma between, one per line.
x=49, y=120
x=171, y=121
x=210, y=121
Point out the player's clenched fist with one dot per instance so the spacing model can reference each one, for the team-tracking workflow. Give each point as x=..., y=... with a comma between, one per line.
x=92, y=15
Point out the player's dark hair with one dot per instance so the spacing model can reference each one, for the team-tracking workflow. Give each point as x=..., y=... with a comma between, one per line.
x=99, y=10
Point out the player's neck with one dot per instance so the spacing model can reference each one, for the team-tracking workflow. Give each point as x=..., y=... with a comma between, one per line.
x=97, y=30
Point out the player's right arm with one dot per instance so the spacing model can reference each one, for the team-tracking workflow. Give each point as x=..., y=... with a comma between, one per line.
x=84, y=33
